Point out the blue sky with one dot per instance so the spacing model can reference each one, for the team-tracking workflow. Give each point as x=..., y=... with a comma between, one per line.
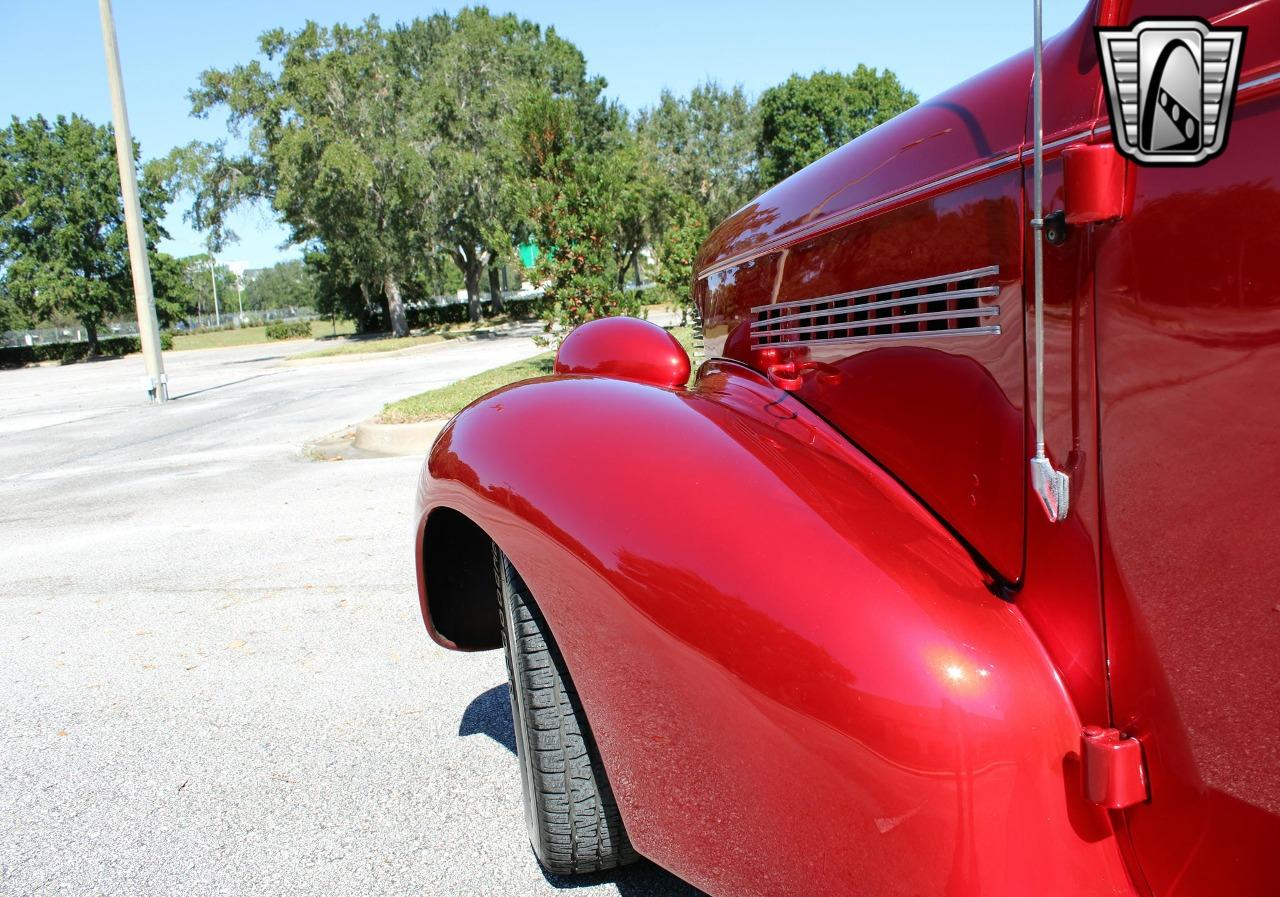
x=51, y=58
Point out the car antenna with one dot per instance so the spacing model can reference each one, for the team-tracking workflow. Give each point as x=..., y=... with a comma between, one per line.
x=1052, y=486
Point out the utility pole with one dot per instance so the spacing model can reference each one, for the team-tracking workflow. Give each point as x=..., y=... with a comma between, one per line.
x=148, y=328
x=217, y=315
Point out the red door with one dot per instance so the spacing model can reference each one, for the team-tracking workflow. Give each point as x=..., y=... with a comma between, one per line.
x=1188, y=319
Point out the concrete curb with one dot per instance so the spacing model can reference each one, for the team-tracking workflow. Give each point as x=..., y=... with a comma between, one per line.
x=397, y=439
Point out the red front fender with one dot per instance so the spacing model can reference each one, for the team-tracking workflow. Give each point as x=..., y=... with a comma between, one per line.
x=798, y=679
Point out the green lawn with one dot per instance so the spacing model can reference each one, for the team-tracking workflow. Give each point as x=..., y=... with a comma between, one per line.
x=245, y=336
x=449, y=400
x=437, y=404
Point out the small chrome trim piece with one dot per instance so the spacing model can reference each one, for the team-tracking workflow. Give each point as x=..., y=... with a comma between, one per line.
x=985, y=311
x=699, y=335
x=972, y=274
x=870, y=306
x=885, y=337
x=1061, y=141
x=1052, y=487
x=1258, y=82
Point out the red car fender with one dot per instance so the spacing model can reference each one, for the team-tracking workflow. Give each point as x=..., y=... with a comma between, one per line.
x=796, y=676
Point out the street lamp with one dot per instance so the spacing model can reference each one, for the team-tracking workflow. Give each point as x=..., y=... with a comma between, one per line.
x=213, y=279
x=148, y=327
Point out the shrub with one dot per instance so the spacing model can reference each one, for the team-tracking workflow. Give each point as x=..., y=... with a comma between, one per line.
x=66, y=353
x=166, y=341
x=288, y=330
x=431, y=316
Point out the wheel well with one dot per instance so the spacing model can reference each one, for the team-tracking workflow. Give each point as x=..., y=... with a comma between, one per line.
x=457, y=559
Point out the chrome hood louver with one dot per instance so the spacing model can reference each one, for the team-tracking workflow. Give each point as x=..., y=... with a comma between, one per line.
x=941, y=306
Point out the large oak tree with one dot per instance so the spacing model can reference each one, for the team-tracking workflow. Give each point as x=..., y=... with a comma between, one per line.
x=385, y=146
x=63, y=248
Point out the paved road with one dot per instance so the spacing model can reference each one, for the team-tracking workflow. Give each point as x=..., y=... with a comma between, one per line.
x=213, y=675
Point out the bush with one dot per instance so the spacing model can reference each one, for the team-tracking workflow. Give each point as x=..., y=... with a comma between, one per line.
x=67, y=353
x=288, y=330
x=166, y=341
x=456, y=313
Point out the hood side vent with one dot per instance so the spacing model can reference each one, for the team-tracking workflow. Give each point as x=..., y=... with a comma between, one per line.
x=946, y=305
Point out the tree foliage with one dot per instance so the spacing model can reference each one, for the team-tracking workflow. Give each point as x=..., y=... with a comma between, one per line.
x=686, y=230
x=63, y=247
x=174, y=296
x=705, y=147
x=199, y=280
x=384, y=148
x=484, y=70
x=10, y=317
x=288, y=284
x=393, y=151
x=804, y=118
x=330, y=144
x=574, y=168
x=705, y=144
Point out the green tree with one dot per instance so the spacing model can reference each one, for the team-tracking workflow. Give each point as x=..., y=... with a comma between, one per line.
x=63, y=248
x=475, y=77
x=383, y=148
x=175, y=298
x=706, y=145
x=10, y=319
x=287, y=284
x=685, y=233
x=331, y=145
x=572, y=180
x=804, y=118
x=633, y=190
x=338, y=295
x=200, y=286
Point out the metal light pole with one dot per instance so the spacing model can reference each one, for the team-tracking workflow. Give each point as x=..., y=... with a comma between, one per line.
x=217, y=315
x=148, y=327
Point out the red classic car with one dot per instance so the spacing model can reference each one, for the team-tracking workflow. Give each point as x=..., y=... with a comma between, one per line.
x=954, y=572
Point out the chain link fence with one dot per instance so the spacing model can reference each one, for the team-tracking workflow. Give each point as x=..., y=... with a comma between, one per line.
x=46, y=336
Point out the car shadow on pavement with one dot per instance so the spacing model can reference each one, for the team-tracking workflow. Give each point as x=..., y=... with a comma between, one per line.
x=644, y=879
x=490, y=714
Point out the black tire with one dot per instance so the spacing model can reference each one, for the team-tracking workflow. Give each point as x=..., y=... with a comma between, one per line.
x=573, y=820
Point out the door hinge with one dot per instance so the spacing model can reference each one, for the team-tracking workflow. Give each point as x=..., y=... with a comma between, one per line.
x=1115, y=775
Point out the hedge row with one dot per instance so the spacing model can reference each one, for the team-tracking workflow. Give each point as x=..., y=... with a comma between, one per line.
x=69, y=353
x=436, y=315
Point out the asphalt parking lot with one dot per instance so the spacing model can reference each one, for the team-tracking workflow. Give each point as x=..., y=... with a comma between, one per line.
x=215, y=678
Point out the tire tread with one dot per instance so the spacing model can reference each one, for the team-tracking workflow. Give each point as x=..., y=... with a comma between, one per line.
x=575, y=820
